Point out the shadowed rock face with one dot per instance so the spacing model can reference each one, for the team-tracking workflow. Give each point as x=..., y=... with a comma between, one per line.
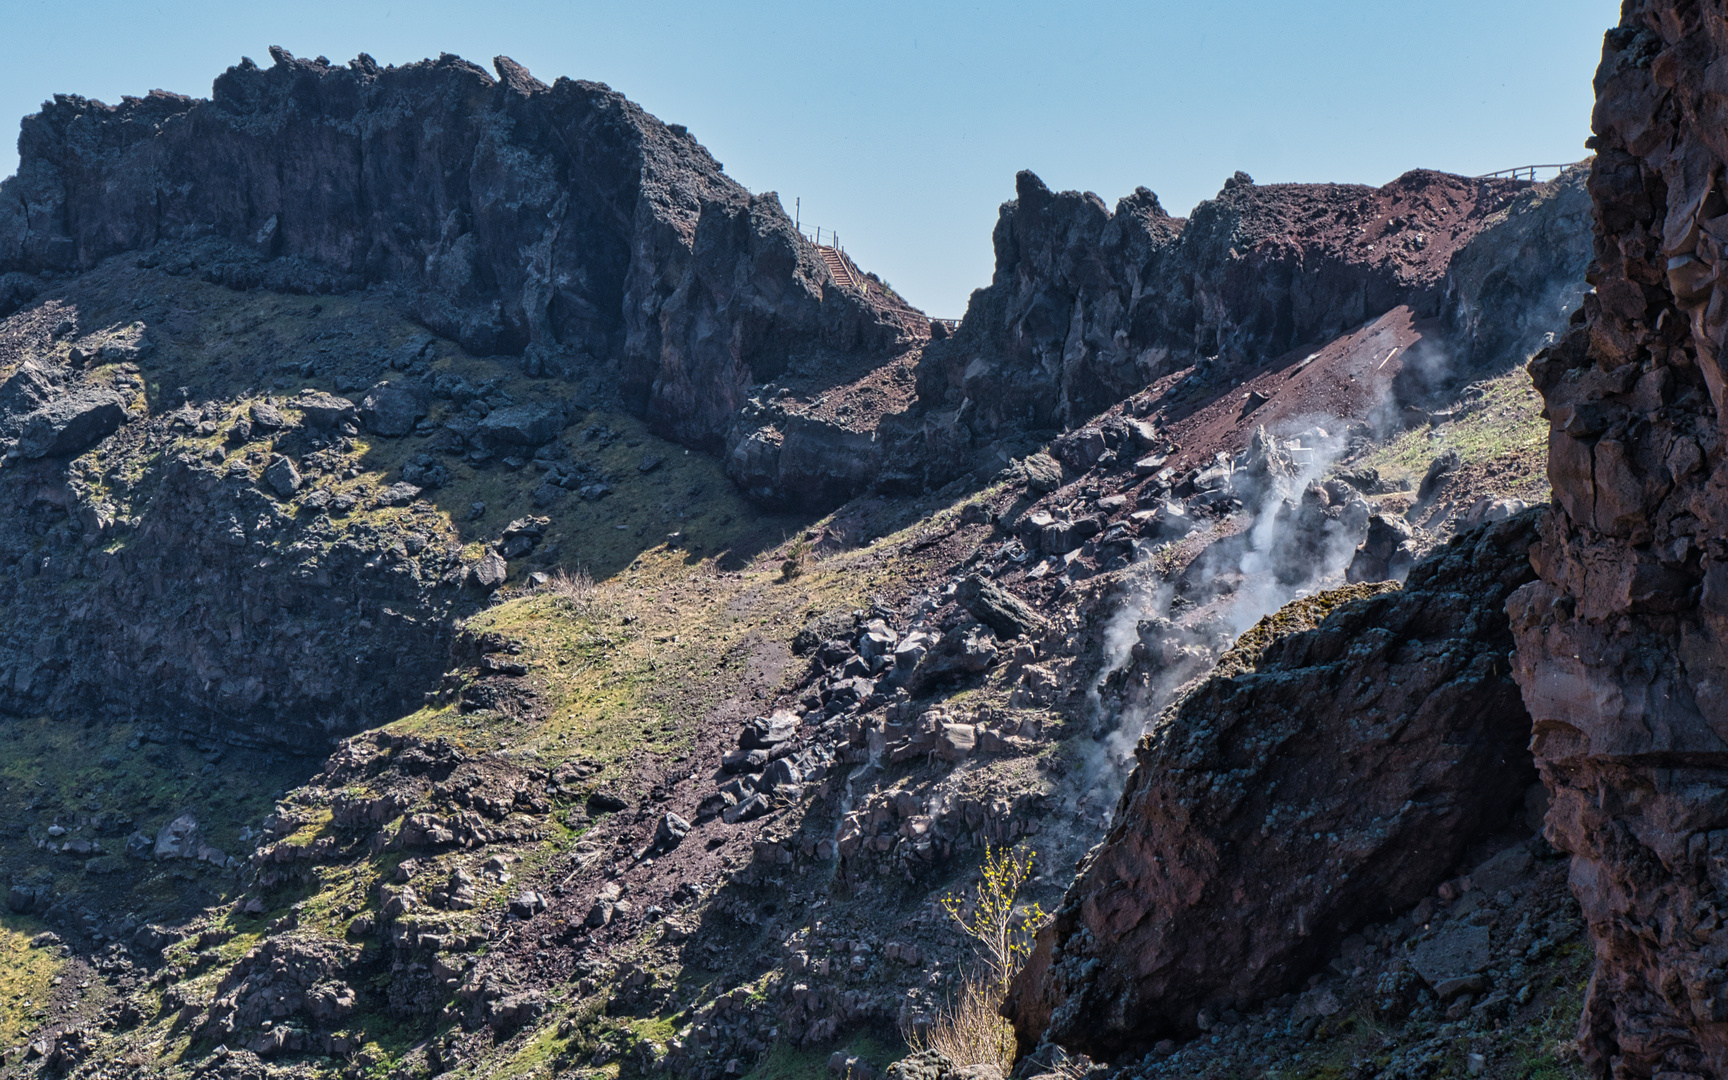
x=1258, y=827
x=1510, y=290
x=561, y=220
x=1623, y=642
x=188, y=628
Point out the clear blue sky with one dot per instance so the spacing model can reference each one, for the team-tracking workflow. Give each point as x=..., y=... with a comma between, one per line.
x=902, y=124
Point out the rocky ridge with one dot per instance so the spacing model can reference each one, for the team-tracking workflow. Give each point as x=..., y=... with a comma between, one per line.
x=558, y=222
x=1088, y=306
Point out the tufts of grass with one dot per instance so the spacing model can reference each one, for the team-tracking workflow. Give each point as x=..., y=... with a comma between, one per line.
x=797, y=559
x=1497, y=421
x=26, y=977
x=1304, y=613
x=785, y=1062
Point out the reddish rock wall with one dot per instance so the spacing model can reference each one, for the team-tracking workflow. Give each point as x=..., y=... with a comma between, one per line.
x=1623, y=642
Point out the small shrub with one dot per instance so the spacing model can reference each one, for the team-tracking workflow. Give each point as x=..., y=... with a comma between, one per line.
x=1004, y=935
x=578, y=588
x=797, y=559
x=970, y=1030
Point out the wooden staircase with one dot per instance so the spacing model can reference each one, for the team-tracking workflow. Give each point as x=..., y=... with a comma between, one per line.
x=841, y=268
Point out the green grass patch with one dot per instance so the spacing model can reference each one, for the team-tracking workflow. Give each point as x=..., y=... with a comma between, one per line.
x=877, y=1046
x=1499, y=419
x=26, y=977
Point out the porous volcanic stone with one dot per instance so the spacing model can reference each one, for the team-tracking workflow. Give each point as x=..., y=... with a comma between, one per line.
x=392, y=410
x=524, y=425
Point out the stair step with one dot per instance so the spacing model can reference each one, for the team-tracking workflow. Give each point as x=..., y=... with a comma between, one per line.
x=839, y=268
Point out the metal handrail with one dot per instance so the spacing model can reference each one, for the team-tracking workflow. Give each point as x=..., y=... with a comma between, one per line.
x=1531, y=169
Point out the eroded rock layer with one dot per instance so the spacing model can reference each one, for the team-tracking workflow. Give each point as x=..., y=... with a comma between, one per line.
x=1317, y=778
x=1623, y=642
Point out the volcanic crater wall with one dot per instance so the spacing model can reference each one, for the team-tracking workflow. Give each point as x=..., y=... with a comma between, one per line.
x=1088, y=306
x=562, y=220
x=1623, y=642
x=1256, y=830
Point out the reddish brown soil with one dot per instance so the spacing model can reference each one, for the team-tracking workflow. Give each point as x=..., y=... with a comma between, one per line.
x=857, y=400
x=1416, y=222
x=1348, y=377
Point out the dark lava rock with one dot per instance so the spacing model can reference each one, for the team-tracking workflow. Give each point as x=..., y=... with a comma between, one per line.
x=425, y=471
x=1257, y=828
x=490, y=571
x=524, y=425
x=1512, y=287
x=283, y=477
x=187, y=551
x=24, y=391
x=398, y=494
x=670, y=832
x=998, y=608
x=323, y=410
x=1043, y=473
x=1089, y=305
x=392, y=410
x=1387, y=552
x=70, y=423
x=767, y=732
x=604, y=802
x=267, y=417
x=446, y=175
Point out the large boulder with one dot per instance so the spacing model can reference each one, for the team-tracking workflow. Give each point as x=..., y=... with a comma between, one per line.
x=70, y=423
x=1258, y=828
x=180, y=838
x=998, y=608
x=1386, y=553
x=24, y=391
x=524, y=425
x=283, y=477
x=392, y=409
x=323, y=410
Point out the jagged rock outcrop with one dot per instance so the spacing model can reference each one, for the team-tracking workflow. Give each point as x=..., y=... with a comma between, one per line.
x=559, y=220
x=1088, y=305
x=1256, y=829
x=1623, y=642
x=207, y=563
